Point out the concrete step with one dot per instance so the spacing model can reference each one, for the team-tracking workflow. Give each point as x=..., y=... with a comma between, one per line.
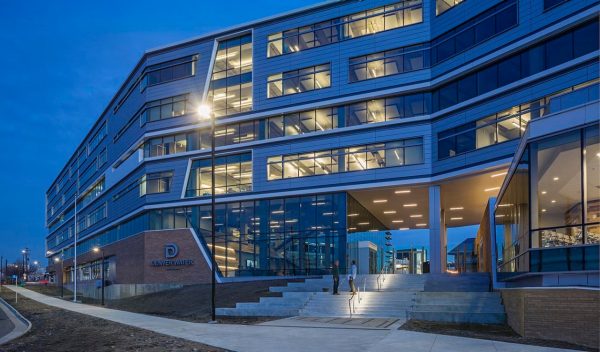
x=465, y=308
x=459, y=317
x=257, y=312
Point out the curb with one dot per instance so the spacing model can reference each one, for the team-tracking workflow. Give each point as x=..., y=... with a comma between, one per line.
x=22, y=325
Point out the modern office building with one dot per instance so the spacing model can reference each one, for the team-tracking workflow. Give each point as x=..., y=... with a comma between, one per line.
x=343, y=117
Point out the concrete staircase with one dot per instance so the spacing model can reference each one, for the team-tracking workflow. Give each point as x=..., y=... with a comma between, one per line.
x=433, y=297
x=371, y=305
x=288, y=305
x=466, y=282
x=459, y=307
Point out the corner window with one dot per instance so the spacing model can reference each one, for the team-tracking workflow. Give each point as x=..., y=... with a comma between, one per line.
x=159, y=182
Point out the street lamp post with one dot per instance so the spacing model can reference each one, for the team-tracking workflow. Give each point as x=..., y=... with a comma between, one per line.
x=206, y=112
x=96, y=250
x=56, y=260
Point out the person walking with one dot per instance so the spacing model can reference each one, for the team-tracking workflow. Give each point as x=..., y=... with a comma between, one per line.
x=352, y=276
x=336, y=276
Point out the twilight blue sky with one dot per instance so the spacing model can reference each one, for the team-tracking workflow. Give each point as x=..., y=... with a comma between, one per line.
x=62, y=63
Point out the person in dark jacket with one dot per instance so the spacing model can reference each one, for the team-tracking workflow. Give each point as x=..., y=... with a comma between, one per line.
x=336, y=276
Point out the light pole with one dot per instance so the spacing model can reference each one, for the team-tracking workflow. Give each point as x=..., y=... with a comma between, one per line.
x=96, y=250
x=56, y=260
x=206, y=112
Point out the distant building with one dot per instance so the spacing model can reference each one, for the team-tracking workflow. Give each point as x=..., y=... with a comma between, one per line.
x=465, y=258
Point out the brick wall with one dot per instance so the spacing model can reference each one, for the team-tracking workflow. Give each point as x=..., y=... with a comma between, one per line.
x=570, y=315
x=130, y=260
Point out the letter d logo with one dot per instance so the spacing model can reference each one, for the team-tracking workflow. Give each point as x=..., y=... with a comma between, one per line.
x=171, y=250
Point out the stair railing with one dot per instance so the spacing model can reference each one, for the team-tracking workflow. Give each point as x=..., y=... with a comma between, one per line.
x=351, y=305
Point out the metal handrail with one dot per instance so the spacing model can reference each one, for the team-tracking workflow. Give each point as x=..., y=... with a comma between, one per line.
x=351, y=305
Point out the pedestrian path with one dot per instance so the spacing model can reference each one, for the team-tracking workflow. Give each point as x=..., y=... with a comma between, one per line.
x=12, y=323
x=288, y=338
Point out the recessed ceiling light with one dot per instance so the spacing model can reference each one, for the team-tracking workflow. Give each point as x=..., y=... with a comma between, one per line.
x=389, y=212
x=598, y=155
x=353, y=214
x=402, y=191
x=543, y=210
x=556, y=178
x=544, y=192
x=504, y=205
x=410, y=205
x=500, y=215
x=352, y=228
x=403, y=228
x=491, y=189
x=363, y=223
x=457, y=218
x=416, y=216
x=421, y=225
x=397, y=221
x=380, y=201
x=553, y=201
x=457, y=208
x=498, y=174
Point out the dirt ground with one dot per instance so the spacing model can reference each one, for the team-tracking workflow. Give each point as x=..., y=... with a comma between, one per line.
x=57, y=330
x=486, y=332
x=190, y=303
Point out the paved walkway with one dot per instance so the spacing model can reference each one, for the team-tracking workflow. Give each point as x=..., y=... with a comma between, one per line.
x=274, y=337
x=12, y=323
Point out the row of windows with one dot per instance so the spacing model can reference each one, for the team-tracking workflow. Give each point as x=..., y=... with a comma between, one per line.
x=165, y=108
x=168, y=71
x=391, y=62
x=510, y=124
x=158, y=182
x=92, y=218
x=366, y=112
x=356, y=25
x=230, y=90
x=442, y=6
x=74, y=169
x=93, y=193
x=98, y=137
x=475, y=31
x=291, y=235
x=299, y=81
x=358, y=158
x=60, y=237
x=92, y=168
x=377, y=110
x=233, y=174
x=555, y=51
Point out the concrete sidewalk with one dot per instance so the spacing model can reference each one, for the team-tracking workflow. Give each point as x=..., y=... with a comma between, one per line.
x=288, y=338
x=12, y=323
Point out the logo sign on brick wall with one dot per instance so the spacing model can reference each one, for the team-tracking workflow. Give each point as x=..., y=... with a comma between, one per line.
x=171, y=251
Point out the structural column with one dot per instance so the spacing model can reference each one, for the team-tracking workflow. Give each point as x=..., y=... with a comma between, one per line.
x=437, y=232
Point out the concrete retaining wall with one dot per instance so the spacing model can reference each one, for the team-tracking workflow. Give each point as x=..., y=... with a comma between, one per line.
x=118, y=291
x=563, y=314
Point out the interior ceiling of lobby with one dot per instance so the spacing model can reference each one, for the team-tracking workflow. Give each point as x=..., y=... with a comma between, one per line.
x=463, y=200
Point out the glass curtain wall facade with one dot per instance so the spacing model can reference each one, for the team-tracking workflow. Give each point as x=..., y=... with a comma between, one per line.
x=548, y=218
x=230, y=89
x=233, y=174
